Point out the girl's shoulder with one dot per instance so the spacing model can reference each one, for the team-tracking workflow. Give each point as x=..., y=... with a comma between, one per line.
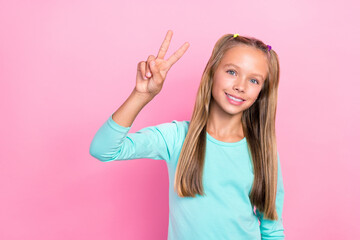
x=183, y=123
x=174, y=128
x=181, y=126
x=181, y=129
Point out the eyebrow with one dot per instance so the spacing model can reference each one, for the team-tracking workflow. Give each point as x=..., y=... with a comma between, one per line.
x=235, y=66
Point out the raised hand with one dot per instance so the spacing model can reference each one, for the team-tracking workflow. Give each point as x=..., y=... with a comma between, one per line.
x=152, y=73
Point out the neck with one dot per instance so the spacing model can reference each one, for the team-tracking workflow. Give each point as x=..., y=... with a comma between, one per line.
x=224, y=125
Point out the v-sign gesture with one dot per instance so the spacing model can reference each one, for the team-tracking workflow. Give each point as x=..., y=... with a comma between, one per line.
x=152, y=73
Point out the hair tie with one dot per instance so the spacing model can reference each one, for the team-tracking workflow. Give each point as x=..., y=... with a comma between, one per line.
x=236, y=35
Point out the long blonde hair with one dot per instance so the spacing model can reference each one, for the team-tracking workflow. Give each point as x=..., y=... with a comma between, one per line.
x=258, y=124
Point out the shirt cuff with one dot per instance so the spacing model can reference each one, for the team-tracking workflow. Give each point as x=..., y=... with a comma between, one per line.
x=116, y=126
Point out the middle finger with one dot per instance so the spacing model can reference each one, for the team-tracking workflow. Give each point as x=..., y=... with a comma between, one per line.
x=178, y=54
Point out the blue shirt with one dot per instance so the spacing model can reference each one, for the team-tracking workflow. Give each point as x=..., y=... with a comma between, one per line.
x=225, y=212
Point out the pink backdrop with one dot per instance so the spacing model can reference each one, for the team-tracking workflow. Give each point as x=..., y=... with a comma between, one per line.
x=66, y=66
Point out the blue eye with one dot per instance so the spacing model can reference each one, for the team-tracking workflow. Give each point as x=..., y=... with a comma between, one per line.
x=255, y=80
x=231, y=71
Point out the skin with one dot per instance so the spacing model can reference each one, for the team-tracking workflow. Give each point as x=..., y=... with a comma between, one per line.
x=148, y=87
x=151, y=74
x=224, y=121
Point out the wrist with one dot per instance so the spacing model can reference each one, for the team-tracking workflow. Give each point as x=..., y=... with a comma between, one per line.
x=147, y=97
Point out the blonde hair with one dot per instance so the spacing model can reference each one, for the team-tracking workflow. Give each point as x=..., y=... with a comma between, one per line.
x=258, y=124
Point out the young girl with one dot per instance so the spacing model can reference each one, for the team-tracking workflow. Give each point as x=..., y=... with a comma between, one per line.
x=224, y=168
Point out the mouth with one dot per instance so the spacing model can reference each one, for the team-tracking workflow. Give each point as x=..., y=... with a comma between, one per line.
x=238, y=99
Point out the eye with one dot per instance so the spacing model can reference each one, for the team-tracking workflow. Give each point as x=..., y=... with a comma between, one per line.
x=231, y=71
x=257, y=82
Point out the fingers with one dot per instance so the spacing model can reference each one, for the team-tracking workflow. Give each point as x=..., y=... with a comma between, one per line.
x=141, y=69
x=178, y=54
x=165, y=45
x=155, y=72
x=148, y=73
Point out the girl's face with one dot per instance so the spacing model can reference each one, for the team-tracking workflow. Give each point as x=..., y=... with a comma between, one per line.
x=241, y=74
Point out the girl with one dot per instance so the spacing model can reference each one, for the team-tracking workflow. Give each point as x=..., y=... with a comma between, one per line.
x=224, y=168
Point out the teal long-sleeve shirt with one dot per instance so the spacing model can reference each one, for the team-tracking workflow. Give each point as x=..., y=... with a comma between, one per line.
x=226, y=211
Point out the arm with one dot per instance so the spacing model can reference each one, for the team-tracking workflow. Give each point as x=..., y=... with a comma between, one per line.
x=113, y=142
x=274, y=229
x=127, y=112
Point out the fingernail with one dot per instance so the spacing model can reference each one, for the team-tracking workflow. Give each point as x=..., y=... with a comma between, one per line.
x=152, y=63
x=148, y=74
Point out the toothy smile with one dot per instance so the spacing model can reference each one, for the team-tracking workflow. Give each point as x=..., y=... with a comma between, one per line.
x=234, y=98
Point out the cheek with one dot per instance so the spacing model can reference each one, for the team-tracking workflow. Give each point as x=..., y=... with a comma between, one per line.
x=254, y=93
x=222, y=81
x=216, y=84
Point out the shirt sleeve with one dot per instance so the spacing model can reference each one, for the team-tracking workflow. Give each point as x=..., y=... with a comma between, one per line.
x=274, y=229
x=114, y=142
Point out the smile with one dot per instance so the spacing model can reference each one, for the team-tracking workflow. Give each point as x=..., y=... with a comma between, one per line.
x=234, y=98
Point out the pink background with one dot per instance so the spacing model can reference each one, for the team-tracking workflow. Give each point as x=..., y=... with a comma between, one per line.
x=66, y=66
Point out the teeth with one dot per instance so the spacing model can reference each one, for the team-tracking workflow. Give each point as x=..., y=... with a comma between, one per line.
x=235, y=99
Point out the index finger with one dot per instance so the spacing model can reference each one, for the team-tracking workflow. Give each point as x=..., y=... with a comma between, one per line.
x=178, y=54
x=165, y=45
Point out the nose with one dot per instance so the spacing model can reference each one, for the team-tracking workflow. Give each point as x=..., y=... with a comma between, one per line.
x=240, y=85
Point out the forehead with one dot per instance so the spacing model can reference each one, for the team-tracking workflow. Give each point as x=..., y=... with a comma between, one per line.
x=248, y=58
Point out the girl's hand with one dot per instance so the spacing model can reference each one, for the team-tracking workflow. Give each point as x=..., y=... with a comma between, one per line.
x=150, y=77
